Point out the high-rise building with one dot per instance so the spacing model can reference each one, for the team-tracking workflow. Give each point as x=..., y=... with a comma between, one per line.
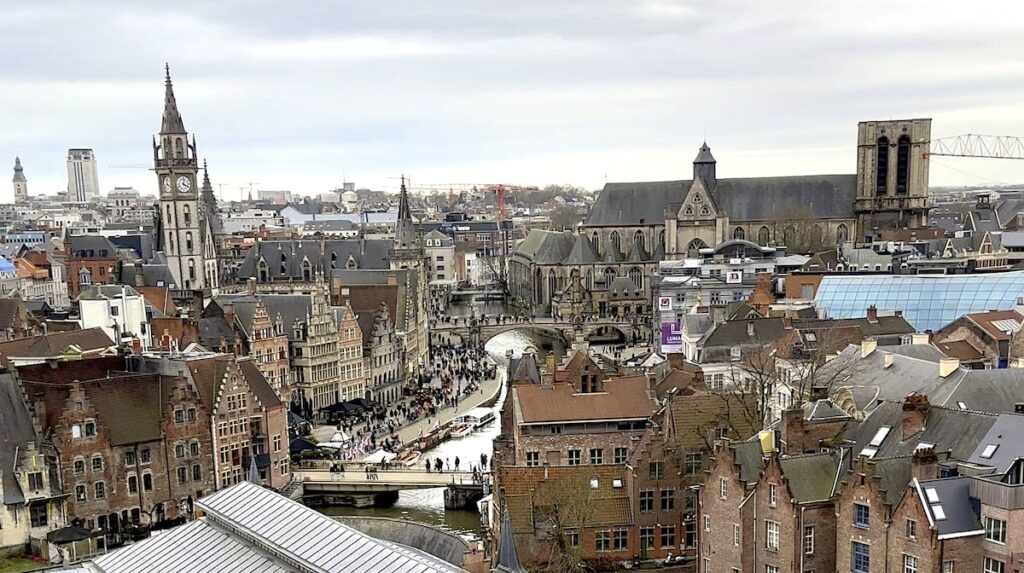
x=185, y=234
x=20, y=183
x=83, y=177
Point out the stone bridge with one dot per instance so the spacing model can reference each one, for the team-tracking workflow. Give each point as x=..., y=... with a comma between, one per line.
x=361, y=490
x=568, y=331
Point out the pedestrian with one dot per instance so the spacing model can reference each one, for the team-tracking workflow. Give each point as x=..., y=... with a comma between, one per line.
x=456, y=463
x=367, y=468
x=447, y=464
x=428, y=466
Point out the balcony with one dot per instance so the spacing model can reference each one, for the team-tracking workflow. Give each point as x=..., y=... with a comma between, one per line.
x=998, y=494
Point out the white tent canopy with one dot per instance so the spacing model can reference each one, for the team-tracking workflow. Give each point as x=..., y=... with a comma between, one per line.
x=337, y=441
x=380, y=456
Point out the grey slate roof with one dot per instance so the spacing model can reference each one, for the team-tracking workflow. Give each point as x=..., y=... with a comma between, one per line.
x=812, y=477
x=15, y=431
x=213, y=330
x=336, y=253
x=524, y=369
x=750, y=459
x=954, y=497
x=948, y=430
x=153, y=274
x=582, y=252
x=92, y=246
x=823, y=409
x=292, y=307
x=1006, y=435
x=746, y=199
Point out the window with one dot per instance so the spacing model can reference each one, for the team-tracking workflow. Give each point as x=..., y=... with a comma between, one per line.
x=596, y=456
x=90, y=428
x=79, y=492
x=771, y=569
x=97, y=464
x=656, y=470
x=707, y=523
x=179, y=415
x=144, y=455
x=902, y=164
x=723, y=488
x=621, y=454
x=574, y=457
x=736, y=535
x=947, y=567
x=668, y=499
x=882, y=166
x=619, y=539
x=861, y=515
x=995, y=530
x=860, y=558
x=532, y=459
x=646, y=537
x=191, y=415
x=668, y=536
x=35, y=481
x=38, y=514
x=113, y=311
x=182, y=474
x=771, y=540
x=692, y=464
x=909, y=564
x=133, y=484
x=809, y=540
x=911, y=528
x=646, y=500
x=277, y=443
x=79, y=467
x=179, y=450
x=193, y=448
x=129, y=458
x=572, y=537
x=773, y=494
x=603, y=540
x=147, y=482
x=994, y=566
x=100, y=490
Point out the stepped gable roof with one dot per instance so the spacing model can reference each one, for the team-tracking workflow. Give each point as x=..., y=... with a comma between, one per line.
x=622, y=398
x=812, y=477
x=743, y=199
x=258, y=383
x=582, y=252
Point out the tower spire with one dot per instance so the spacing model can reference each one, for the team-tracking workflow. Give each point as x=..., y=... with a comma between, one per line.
x=405, y=230
x=19, y=171
x=403, y=204
x=172, y=122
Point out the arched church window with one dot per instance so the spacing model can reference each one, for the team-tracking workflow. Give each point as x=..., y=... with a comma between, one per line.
x=609, y=276
x=169, y=221
x=661, y=238
x=616, y=241
x=170, y=242
x=638, y=240
x=637, y=276
x=789, y=236
x=815, y=237
x=764, y=236
x=264, y=274
x=882, y=166
x=738, y=233
x=552, y=284
x=590, y=279
x=902, y=164
x=842, y=233
x=307, y=272
x=693, y=249
x=179, y=150
x=595, y=242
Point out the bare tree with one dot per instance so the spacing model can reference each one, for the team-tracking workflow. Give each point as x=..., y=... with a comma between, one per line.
x=563, y=510
x=817, y=363
x=754, y=379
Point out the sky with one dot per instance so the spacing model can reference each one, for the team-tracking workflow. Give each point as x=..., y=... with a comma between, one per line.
x=304, y=95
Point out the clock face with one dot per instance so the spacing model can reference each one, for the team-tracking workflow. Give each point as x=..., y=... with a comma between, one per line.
x=167, y=184
x=184, y=184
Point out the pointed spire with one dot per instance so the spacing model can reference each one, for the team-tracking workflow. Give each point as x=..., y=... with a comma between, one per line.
x=403, y=204
x=172, y=119
x=405, y=231
x=704, y=155
x=19, y=171
x=254, y=473
x=206, y=179
x=508, y=557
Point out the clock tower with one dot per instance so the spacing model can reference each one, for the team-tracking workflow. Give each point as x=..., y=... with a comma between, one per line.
x=181, y=215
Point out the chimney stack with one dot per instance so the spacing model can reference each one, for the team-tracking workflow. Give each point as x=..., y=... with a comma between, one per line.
x=915, y=413
x=948, y=366
x=872, y=314
x=867, y=346
x=793, y=430
x=919, y=338
x=925, y=464
x=140, y=279
x=887, y=358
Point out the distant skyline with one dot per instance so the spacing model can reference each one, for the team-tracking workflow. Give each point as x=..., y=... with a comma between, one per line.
x=303, y=96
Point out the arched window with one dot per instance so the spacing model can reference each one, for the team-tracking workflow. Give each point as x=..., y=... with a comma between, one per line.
x=616, y=241
x=842, y=233
x=595, y=242
x=764, y=236
x=538, y=287
x=638, y=239
x=693, y=249
x=179, y=150
x=590, y=279
x=789, y=237
x=815, y=236
x=902, y=164
x=637, y=276
x=552, y=284
x=882, y=166
x=307, y=272
x=739, y=233
x=188, y=241
x=85, y=277
x=170, y=221
x=661, y=238
x=609, y=276
x=191, y=269
x=187, y=212
x=264, y=273
x=170, y=242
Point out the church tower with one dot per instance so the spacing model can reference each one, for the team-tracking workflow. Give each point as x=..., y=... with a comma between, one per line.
x=892, y=176
x=20, y=183
x=176, y=167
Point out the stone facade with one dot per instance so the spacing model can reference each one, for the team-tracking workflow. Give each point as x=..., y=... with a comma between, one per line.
x=892, y=175
x=383, y=355
x=268, y=346
x=351, y=370
x=314, y=352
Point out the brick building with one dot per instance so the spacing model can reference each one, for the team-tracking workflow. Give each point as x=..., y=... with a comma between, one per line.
x=118, y=435
x=263, y=337
x=351, y=367
x=994, y=335
x=91, y=260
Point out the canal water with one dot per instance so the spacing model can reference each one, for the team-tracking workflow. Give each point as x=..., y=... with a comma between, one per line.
x=427, y=505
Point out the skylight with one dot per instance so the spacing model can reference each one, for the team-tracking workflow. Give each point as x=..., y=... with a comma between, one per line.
x=924, y=446
x=879, y=436
x=962, y=405
x=989, y=450
x=933, y=496
x=869, y=452
x=938, y=512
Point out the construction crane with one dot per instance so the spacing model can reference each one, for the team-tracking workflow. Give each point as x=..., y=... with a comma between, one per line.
x=983, y=146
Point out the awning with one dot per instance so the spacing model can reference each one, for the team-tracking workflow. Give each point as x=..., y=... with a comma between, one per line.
x=380, y=456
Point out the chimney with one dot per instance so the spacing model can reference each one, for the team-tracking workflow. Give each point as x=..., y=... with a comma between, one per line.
x=948, y=366
x=887, y=358
x=872, y=314
x=925, y=464
x=251, y=284
x=793, y=430
x=549, y=379
x=819, y=392
x=1018, y=408
x=787, y=322
x=919, y=338
x=915, y=412
x=750, y=328
x=140, y=279
x=867, y=346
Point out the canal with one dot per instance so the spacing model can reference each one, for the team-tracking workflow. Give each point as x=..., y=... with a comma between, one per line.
x=427, y=505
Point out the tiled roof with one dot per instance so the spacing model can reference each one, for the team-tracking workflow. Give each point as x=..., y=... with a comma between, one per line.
x=53, y=344
x=623, y=398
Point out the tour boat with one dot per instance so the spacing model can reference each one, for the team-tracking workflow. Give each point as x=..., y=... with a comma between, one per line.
x=409, y=457
x=477, y=417
x=462, y=429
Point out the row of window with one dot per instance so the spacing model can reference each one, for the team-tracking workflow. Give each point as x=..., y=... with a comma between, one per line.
x=668, y=500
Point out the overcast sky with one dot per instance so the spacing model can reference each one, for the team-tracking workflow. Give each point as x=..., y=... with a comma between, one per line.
x=303, y=95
